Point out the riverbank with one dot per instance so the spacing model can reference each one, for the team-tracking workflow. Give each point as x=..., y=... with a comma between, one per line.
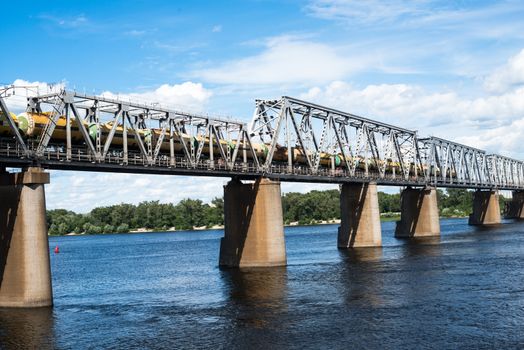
x=315, y=207
x=383, y=218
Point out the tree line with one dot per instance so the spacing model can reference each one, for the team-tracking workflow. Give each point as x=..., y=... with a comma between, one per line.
x=151, y=215
x=302, y=208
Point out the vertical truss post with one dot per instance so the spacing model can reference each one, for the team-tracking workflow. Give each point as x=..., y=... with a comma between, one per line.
x=211, y=153
x=244, y=150
x=125, y=117
x=171, y=142
x=67, y=114
x=288, y=142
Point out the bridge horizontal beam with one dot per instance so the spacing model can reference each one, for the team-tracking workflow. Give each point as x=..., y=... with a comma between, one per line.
x=441, y=141
x=110, y=105
x=344, y=115
x=58, y=163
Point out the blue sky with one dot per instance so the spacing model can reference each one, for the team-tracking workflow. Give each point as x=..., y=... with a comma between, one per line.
x=451, y=69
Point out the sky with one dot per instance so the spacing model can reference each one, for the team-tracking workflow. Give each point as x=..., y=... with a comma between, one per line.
x=453, y=69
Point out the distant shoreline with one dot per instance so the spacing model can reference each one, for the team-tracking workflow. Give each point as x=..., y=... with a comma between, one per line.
x=221, y=227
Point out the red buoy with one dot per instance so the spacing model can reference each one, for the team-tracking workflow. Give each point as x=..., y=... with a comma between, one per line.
x=57, y=250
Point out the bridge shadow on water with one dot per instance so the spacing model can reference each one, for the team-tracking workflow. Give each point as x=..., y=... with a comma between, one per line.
x=376, y=277
x=422, y=246
x=358, y=272
x=31, y=328
x=259, y=295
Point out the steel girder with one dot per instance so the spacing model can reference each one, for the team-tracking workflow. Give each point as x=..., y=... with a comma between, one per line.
x=315, y=132
x=447, y=162
x=505, y=172
x=453, y=163
x=152, y=128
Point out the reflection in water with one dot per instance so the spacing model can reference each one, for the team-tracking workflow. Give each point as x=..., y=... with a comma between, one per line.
x=259, y=293
x=357, y=255
x=30, y=328
x=422, y=246
x=361, y=283
x=484, y=228
x=422, y=271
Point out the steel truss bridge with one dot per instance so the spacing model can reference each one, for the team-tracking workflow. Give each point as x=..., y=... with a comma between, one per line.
x=152, y=140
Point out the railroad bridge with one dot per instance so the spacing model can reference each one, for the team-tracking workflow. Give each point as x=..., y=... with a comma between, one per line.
x=287, y=140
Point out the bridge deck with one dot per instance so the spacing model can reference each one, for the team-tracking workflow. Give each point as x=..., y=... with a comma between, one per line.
x=13, y=156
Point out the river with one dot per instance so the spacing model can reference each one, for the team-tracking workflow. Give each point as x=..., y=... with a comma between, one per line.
x=464, y=289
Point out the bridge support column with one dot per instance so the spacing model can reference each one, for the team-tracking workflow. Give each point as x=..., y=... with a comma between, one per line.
x=254, y=230
x=486, y=208
x=515, y=208
x=359, y=216
x=25, y=273
x=419, y=215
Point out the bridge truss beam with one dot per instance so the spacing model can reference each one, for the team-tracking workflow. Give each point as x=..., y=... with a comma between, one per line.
x=315, y=133
x=102, y=130
x=288, y=139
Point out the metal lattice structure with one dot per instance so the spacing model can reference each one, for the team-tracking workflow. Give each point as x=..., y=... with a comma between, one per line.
x=504, y=171
x=288, y=139
x=448, y=162
x=317, y=132
x=105, y=131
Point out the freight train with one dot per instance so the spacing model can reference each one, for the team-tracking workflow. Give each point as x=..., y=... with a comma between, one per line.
x=32, y=125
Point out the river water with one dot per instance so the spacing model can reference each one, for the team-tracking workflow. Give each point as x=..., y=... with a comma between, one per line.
x=164, y=290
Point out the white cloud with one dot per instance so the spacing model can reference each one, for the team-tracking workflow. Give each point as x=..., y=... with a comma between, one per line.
x=135, y=33
x=448, y=15
x=433, y=37
x=366, y=11
x=504, y=140
x=286, y=59
x=37, y=87
x=508, y=76
x=67, y=22
x=187, y=95
x=304, y=187
x=216, y=29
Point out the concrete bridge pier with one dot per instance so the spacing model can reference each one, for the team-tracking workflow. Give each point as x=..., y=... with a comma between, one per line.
x=419, y=215
x=515, y=208
x=254, y=228
x=25, y=273
x=359, y=216
x=486, y=208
